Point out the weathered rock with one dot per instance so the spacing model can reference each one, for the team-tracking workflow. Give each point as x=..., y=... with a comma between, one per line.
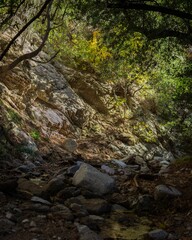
x=11, y=216
x=28, y=188
x=37, y=207
x=165, y=192
x=70, y=145
x=79, y=210
x=62, y=212
x=27, y=167
x=118, y=208
x=68, y=192
x=90, y=178
x=87, y=234
x=96, y=206
x=119, y=163
x=158, y=234
x=40, y=200
x=108, y=169
x=54, y=186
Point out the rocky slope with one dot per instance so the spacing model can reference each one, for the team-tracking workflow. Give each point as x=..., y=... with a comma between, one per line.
x=53, y=122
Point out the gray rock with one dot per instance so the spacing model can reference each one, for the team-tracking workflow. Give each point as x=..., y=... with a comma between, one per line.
x=70, y=145
x=11, y=217
x=6, y=226
x=40, y=200
x=87, y=234
x=158, y=234
x=165, y=192
x=27, y=167
x=118, y=208
x=139, y=160
x=38, y=208
x=119, y=163
x=90, y=178
x=107, y=169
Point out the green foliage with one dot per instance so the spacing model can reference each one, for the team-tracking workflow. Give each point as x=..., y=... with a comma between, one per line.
x=14, y=116
x=35, y=134
x=144, y=132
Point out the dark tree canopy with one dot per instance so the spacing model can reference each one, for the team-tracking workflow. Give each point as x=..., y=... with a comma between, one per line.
x=154, y=19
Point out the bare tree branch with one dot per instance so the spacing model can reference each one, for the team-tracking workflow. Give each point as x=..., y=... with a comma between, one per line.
x=47, y=60
x=30, y=55
x=24, y=28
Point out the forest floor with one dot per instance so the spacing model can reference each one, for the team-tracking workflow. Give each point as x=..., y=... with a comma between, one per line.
x=20, y=218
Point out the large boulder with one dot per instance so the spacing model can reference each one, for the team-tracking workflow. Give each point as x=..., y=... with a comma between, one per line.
x=93, y=180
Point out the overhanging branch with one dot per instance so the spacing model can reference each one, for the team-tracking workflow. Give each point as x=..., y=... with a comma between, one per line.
x=30, y=55
x=24, y=28
x=152, y=8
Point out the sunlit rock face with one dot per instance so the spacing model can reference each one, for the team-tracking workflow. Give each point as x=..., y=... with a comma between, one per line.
x=39, y=93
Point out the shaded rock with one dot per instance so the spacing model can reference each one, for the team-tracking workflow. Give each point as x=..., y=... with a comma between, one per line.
x=158, y=234
x=29, y=166
x=87, y=234
x=28, y=188
x=93, y=222
x=118, y=208
x=11, y=217
x=90, y=178
x=54, y=186
x=79, y=210
x=62, y=212
x=107, y=169
x=145, y=204
x=72, y=170
x=3, y=199
x=96, y=206
x=134, y=167
x=165, y=192
x=40, y=200
x=5, y=226
x=37, y=207
x=8, y=185
x=139, y=160
x=77, y=200
x=68, y=192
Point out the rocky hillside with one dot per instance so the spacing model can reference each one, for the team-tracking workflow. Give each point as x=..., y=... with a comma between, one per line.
x=72, y=168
